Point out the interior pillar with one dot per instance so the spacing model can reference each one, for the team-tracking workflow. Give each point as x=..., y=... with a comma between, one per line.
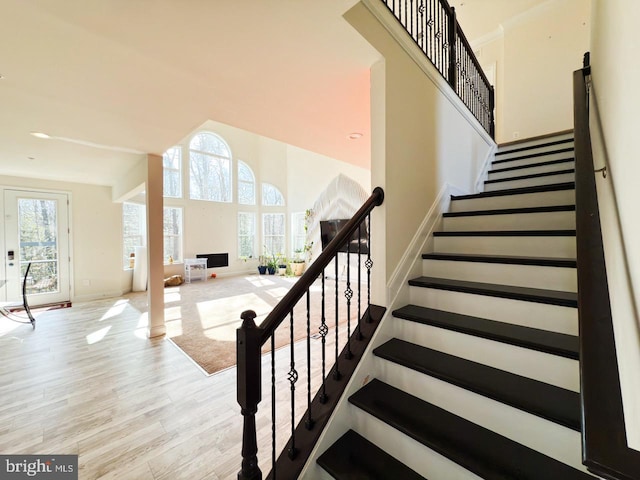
x=155, y=246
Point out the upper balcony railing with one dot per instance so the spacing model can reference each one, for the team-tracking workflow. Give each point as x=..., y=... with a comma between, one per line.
x=433, y=26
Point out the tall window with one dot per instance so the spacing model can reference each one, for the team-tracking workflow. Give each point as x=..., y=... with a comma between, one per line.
x=134, y=229
x=172, y=176
x=298, y=233
x=273, y=231
x=172, y=223
x=210, y=168
x=246, y=234
x=246, y=184
x=271, y=196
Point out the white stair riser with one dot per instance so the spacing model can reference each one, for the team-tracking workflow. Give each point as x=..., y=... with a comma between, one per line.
x=529, y=182
x=540, y=142
x=413, y=454
x=533, y=276
x=530, y=170
x=512, y=221
x=542, y=435
x=544, y=367
x=529, y=314
x=542, y=199
x=532, y=156
x=555, y=247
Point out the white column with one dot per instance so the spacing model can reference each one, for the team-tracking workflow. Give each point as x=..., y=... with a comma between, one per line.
x=155, y=247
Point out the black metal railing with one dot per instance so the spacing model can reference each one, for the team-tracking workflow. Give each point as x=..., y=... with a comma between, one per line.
x=434, y=28
x=604, y=441
x=348, y=337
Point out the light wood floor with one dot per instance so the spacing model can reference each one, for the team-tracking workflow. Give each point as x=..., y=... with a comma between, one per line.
x=87, y=381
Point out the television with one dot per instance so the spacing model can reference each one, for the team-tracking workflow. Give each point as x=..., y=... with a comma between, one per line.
x=330, y=228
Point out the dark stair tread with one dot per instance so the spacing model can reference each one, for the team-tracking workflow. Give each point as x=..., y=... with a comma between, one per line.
x=507, y=233
x=537, y=295
x=531, y=147
x=541, y=399
x=533, y=155
x=512, y=211
x=354, y=457
x=518, y=191
x=505, y=259
x=479, y=450
x=533, y=338
x=532, y=165
x=529, y=177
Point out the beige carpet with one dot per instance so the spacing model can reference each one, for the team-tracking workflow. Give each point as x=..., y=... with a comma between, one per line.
x=202, y=317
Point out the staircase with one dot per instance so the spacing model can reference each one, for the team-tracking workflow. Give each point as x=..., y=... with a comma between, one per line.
x=481, y=379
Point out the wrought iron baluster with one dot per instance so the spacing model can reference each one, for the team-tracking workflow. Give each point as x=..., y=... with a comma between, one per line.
x=337, y=375
x=359, y=337
x=369, y=265
x=323, y=334
x=348, y=294
x=293, y=378
x=310, y=422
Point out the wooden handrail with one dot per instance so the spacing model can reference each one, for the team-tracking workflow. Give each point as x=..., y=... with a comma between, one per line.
x=282, y=309
x=604, y=441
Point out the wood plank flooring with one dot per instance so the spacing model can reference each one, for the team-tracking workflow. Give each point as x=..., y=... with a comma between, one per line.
x=87, y=381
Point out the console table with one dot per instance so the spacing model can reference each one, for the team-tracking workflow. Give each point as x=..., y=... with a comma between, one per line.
x=195, y=269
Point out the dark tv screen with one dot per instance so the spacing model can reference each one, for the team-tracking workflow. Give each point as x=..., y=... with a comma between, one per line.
x=330, y=228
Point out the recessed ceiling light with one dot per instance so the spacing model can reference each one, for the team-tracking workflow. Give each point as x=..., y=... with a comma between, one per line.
x=40, y=135
x=354, y=136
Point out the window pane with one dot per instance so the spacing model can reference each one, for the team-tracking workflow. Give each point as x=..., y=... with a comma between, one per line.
x=134, y=229
x=298, y=233
x=273, y=227
x=271, y=196
x=172, y=163
x=246, y=185
x=246, y=234
x=210, y=177
x=172, y=220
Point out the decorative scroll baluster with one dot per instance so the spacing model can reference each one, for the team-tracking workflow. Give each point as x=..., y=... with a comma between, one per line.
x=293, y=378
x=323, y=334
x=433, y=26
x=310, y=422
x=348, y=294
x=359, y=336
x=369, y=264
x=336, y=373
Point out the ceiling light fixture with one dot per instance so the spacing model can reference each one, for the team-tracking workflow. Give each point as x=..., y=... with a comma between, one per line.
x=40, y=135
x=354, y=136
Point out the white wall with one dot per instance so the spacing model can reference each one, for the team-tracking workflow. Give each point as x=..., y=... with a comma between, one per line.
x=96, y=236
x=614, y=128
x=535, y=58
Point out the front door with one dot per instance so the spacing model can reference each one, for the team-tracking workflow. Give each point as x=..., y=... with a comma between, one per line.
x=37, y=232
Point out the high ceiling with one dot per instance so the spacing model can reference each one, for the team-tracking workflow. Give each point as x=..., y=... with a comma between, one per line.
x=110, y=80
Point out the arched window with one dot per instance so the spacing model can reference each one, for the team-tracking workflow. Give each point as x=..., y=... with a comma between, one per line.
x=271, y=196
x=246, y=184
x=172, y=163
x=210, y=168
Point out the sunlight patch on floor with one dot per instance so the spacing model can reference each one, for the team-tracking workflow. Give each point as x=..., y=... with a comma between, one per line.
x=116, y=310
x=98, y=335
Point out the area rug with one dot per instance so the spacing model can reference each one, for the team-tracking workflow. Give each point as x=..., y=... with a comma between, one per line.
x=202, y=317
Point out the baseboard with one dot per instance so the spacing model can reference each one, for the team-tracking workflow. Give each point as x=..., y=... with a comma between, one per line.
x=486, y=165
x=98, y=296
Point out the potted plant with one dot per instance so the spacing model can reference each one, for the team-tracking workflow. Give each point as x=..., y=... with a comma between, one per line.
x=262, y=265
x=282, y=265
x=272, y=265
x=297, y=263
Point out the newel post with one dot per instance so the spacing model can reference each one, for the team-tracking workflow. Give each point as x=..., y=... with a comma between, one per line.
x=453, y=33
x=249, y=392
